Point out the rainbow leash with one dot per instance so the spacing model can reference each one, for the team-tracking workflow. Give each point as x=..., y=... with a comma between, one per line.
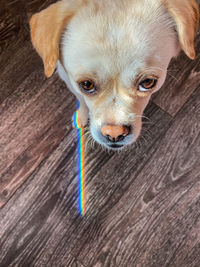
x=81, y=178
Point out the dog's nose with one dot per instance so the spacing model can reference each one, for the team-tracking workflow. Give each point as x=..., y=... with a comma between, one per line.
x=115, y=133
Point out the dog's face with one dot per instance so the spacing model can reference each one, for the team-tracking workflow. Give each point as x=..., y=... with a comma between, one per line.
x=116, y=54
x=116, y=62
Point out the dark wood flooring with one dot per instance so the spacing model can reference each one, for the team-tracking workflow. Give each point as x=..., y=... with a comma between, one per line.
x=142, y=206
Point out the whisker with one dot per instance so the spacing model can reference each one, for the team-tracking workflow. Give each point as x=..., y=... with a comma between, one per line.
x=142, y=116
x=147, y=130
x=172, y=76
x=88, y=142
x=145, y=141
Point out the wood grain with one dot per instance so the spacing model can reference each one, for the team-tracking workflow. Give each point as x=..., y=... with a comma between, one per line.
x=142, y=205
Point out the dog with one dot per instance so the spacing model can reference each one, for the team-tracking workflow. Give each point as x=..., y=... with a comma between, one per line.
x=113, y=55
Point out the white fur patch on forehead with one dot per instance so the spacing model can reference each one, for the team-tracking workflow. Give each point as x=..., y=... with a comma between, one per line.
x=106, y=38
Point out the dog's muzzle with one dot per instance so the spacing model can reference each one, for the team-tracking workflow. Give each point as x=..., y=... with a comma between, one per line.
x=115, y=135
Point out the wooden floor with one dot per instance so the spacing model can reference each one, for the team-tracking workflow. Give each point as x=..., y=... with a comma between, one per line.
x=143, y=205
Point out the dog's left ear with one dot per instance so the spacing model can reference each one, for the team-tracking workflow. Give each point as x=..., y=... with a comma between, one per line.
x=186, y=16
x=46, y=29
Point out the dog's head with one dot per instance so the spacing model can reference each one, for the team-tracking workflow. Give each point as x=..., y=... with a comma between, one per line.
x=115, y=54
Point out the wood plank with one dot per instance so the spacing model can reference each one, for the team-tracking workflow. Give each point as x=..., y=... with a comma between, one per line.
x=12, y=23
x=18, y=63
x=33, y=118
x=40, y=224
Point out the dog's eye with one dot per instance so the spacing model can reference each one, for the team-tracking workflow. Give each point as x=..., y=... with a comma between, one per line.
x=147, y=84
x=88, y=86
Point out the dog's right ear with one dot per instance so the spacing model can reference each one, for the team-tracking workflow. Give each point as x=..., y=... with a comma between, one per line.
x=46, y=29
x=186, y=17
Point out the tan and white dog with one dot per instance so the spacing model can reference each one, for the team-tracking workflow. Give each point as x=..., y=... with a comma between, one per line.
x=113, y=55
